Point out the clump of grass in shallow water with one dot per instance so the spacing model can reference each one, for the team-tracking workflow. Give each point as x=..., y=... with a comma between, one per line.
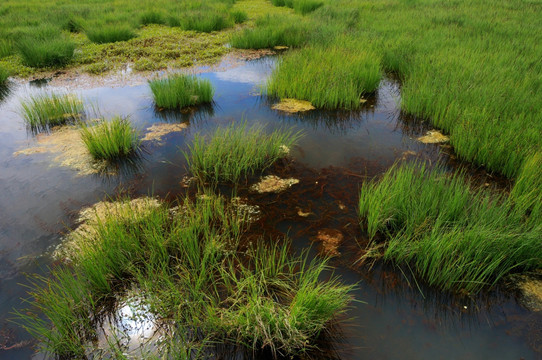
x=235, y=151
x=40, y=53
x=188, y=266
x=453, y=237
x=46, y=110
x=110, y=140
x=178, y=91
x=328, y=77
x=110, y=34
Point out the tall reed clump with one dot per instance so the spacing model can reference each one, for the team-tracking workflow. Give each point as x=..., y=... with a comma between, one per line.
x=110, y=34
x=452, y=236
x=271, y=31
x=178, y=91
x=187, y=266
x=111, y=139
x=49, y=52
x=237, y=151
x=46, y=110
x=329, y=77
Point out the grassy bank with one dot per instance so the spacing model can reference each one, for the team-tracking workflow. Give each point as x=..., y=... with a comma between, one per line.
x=452, y=236
x=260, y=297
x=236, y=151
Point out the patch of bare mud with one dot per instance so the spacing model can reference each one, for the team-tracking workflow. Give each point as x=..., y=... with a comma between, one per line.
x=72, y=152
x=157, y=131
x=78, y=78
x=531, y=289
x=293, y=106
x=434, y=137
x=272, y=183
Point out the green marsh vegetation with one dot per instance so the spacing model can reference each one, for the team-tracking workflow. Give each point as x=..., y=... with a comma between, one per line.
x=110, y=34
x=329, y=77
x=236, y=151
x=300, y=6
x=4, y=75
x=110, y=140
x=258, y=296
x=452, y=236
x=43, y=111
x=179, y=91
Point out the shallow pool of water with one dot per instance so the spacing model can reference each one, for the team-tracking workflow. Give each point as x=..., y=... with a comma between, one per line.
x=396, y=317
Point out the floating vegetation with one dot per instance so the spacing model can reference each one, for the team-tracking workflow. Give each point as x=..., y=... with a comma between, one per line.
x=434, y=137
x=110, y=34
x=110, y=140
x=335, y=77
x=237, y=151
x=293, y=106
x=329, y=240
x=156, y=132
x=179, y=91
x=259, y=298
x=41, y=112
x=272, y=183
x=71, y=152
x=453, y=237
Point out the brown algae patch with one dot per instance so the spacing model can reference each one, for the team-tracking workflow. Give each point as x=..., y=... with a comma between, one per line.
x=72, y=152
x=91, y=217
x=434, y=137
x=293, y=106
x=157, y=131
x=531, y=290
x=272, y=183
x=330, y=240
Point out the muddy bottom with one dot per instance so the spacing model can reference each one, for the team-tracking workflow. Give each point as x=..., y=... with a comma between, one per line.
x=395, y=318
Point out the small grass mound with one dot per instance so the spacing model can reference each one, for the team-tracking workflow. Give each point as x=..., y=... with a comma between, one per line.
x=179, y=91
x=271, y=31
x=152, y=17
x=110, y=34
x=239, y=16
x=300, y=6
x=206, y=21
x=110, y=140
x=328, y=77
x=191, y=271
x=44, y=111
x=235, y=152
x=453, y=237
x=50, y=52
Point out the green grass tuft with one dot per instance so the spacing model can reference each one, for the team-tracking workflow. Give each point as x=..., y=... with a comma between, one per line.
x=152, y=17
x=330, y=78
x=300, y=6
x=207, y=21
x=110, y=34
x=235, y=151
x=47, y=110
x=239, y=16
x=41, y=53
x=273, y=31
x=6, y=48
x=178, y=91
x=453, y=237
x=110, y=140
x=4, y=75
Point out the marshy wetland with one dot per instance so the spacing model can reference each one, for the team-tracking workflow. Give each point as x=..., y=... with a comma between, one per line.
x=270, y=179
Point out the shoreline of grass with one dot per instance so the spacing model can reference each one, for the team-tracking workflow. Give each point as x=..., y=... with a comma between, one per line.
x=452, y=236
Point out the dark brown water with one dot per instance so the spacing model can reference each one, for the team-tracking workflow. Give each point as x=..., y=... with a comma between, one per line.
x=398, y=318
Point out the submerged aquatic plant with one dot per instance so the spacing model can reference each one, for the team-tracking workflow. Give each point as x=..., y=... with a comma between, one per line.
x=46, y=110
x=178, y=91
x=260, y=298
x=111, y=139
x=453, y=237
x=237, y=151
